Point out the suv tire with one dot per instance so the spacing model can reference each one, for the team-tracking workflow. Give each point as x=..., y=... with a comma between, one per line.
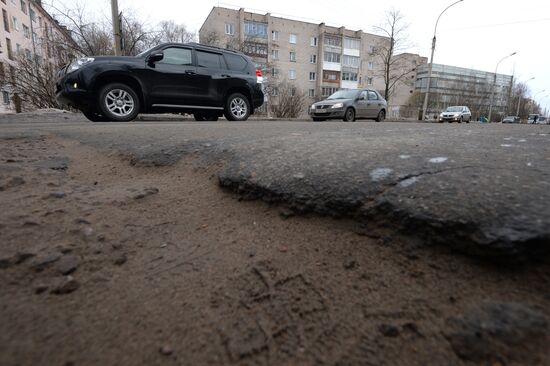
x=119, y=102
x=237, y=107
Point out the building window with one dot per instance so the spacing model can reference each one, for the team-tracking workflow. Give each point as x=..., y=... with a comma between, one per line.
x=26, y=31
x=274, y=55
x=275, y=35
x=274, y=91
x=15, y=24
x=351, y=61
x=371, y=65
x=275, y=72
x=229, y=29
x=292, y=92
x=372, y=50
x=333, y=41
x=313, y=59
x=349, y=76
x=255, y=29
x=292, y=74
x=6, y=21
x=24, y=6
x=28, y=54
x=328, y=91
x=18, y=49
x=292, y=56
x=311, y=93
x=369, y=81
x=331, y=76
x=312, y=76
x=10, y=51
x=292, y=38
x=313, y=42
x=255, y=49
x=352, y=43
x=6, y=96
x=332, y=57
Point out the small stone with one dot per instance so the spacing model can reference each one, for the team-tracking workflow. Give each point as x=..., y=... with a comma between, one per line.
x=120, y=260
x=146, y=192
x=40, y=289
x=57, y=195
x=68, y=285
x=116, y=246
x=283, y=249
x=67, y=264
x=166, y=350
x=82, y=221
x=22, y=257
x=286, y=213
x=5, y=263
x=412, y=328
x=87, y=232
x=42, y=262
x=31, y=223
x=389, y=330
x=350, y=264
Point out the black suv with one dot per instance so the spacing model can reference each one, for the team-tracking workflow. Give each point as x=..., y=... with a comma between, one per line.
x=175, y=78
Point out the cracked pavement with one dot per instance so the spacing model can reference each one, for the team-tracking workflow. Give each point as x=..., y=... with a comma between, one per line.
x=480, y=189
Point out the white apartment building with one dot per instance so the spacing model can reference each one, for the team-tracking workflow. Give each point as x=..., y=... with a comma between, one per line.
x=28, y=30
x=316, y=58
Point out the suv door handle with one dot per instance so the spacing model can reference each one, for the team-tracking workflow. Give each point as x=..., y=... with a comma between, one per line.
x=190, y=72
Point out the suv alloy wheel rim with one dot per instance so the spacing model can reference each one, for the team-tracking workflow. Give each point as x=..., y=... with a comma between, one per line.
x=238, y=107
x=119, y=102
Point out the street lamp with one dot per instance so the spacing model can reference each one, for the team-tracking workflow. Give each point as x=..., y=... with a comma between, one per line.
x=494, y=85
x=425, y=106
x=519, y=96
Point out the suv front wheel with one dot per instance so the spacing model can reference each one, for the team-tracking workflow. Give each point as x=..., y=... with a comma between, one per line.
x=237, y=107
x=118, y=102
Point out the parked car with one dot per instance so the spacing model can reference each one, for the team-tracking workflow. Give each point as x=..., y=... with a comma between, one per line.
x=542, y=120
x=350, y=105
x=456, y=114
x=177, y=78
x=511, y=119
x=532, y=118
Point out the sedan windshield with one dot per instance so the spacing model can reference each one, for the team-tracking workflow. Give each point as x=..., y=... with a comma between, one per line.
x=454, y=109
x=344, y=94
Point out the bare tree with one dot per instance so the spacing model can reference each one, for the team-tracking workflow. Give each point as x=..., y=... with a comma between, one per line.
x=291, y=100
x=394, y=70
x=169, y=31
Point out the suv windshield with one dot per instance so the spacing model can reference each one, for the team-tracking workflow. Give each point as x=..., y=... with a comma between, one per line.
x=344, y=94
x=454, y=109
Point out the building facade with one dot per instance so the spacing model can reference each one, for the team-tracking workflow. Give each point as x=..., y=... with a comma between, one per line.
x=405, y=67
x=452, y=85
x=315, y=58
x=28, y=31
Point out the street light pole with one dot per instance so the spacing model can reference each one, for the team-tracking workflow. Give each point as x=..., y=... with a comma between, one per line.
x=494, y=85
x=425, y=106
x=519, y=97
x=116, y=27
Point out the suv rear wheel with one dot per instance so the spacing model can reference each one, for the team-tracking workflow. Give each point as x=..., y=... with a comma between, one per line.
x=118, y=102
x=237, y=107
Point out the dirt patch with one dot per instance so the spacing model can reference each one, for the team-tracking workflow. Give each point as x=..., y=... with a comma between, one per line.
x=102, y=262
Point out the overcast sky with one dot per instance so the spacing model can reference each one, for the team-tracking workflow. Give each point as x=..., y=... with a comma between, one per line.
x=473, y=34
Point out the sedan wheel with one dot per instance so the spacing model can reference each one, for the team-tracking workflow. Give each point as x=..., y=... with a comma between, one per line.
x=349, y=116
x=381, y=116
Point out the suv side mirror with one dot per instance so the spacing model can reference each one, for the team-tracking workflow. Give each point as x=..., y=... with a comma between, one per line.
x=155, y=57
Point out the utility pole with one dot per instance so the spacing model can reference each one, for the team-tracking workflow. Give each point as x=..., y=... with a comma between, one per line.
x=116, y=27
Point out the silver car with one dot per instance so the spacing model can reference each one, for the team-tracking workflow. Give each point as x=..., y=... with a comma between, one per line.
x=350, y=105
x=456, y=114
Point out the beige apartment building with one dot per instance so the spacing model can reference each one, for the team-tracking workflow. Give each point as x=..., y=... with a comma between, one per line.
x=317, y=59
x=27, y=30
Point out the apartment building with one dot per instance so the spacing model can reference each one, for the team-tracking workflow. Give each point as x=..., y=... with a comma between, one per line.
x=450, y=85
x=316, y=58
x=27, y=30
x=405, y=67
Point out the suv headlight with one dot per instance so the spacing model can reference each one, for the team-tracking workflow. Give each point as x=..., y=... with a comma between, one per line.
x=79, y=63
x=338, y=105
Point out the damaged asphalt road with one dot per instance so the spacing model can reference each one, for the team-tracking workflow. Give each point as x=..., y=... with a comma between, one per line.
x=481, y=189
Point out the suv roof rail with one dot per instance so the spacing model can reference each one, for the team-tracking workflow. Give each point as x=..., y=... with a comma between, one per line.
x=213, y=47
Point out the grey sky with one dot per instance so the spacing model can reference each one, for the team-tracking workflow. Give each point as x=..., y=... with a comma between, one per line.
x=474, y=33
